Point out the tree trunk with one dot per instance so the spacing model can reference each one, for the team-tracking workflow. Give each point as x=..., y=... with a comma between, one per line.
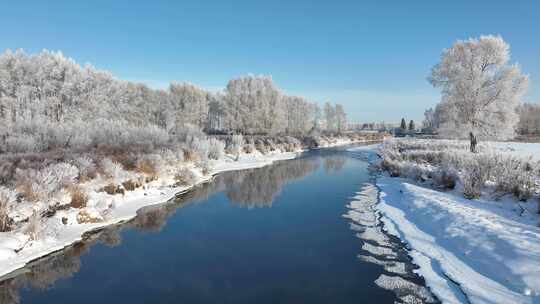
x=473, y=142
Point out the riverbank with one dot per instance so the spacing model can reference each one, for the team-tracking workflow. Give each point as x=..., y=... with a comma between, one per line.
x=65, y=227
x=468, y=250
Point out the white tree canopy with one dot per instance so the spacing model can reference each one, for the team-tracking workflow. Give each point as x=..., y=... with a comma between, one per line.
x=480, y=89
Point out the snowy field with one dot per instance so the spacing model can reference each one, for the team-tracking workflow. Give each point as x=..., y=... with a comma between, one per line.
x=477, y=251
x=519, y=148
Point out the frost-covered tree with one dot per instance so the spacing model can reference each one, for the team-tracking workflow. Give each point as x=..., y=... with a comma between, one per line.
x=189, y=103
x=216, y=113
x=253, y=104
x=428, y=124
x=300, y=115
x=317, y=116
x=330, y=117
x=529, y=119
x=411, y=126
x=480, y=89
x=341, y=118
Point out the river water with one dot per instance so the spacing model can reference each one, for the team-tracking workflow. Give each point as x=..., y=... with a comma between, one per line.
x=297, y=231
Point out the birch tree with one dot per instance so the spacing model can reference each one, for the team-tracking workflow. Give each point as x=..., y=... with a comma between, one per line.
x=480, y=89
x=330, y=117
x=341, y=118
x=529, y=119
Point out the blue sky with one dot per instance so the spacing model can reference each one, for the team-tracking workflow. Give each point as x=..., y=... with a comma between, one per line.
x=372, y=56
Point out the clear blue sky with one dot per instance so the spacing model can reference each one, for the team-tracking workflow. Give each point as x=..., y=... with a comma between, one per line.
x=372, y=56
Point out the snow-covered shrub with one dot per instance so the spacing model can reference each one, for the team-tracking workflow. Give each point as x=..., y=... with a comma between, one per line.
x=391, y=166
x=249, y=147
x=45, y=183
x=172, y=158
x=21, y=143
x=120, y=133
x=89, y=216
x=216, y=148
x=472, y=169
x=87, y=168
x=185, y=131
x=453, y=163
x=185, y=177
x=113, y=170
x=197, y=148
x=473, y=177
x=34, y=227
x=61, y=174
x=236, y=145
x=8, y=199
x=7, y=170
x=261, y=146
x=292, y=144
x=205, y=167
x=515, y=175
x=415, y=171
x=446, y=176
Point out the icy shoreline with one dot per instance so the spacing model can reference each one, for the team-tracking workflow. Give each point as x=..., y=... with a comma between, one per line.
x=477, y=251
x=16, y=251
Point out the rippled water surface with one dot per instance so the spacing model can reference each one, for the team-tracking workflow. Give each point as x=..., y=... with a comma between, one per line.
x=298, y=231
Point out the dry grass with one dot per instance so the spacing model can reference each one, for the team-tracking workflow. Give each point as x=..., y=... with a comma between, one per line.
x=79, y=198
x=131, y=185
x=84, y=217
x=190, y=156
x=6, y=200
x=25, y=188
x=147, y=167
x=111, y=189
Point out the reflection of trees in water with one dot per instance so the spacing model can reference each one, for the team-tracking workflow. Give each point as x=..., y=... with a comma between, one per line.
x=44, y=273
x=334, y=163
x=248, y=188
x=259, y=187
x=253, y=187
x=9, y=292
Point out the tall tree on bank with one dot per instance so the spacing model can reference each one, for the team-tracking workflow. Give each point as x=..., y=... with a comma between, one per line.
x=480, y=90
x=341, y=118
x=403, y=125
x=330, y=117
x=529, y=119
x=411, y=126
x=428, y=124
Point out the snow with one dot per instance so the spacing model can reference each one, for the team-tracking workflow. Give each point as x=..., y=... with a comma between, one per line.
x=405, y=289
x=477, y=251
x=518, y=148
x=16, y=250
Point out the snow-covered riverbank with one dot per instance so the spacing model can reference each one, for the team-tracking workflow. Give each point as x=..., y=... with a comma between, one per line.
x=63, y=229
x=478, y=251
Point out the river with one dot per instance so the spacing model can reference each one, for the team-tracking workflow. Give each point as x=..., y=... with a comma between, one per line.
x=297, y=231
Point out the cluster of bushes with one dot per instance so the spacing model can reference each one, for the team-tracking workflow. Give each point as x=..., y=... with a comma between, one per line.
x=36, y=185
x=449, y=164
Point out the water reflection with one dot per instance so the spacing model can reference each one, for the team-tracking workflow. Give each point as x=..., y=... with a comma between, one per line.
x=334, y=164
x=384, y=250
x=43, y=273
x=254, y=188
x=248, y=188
